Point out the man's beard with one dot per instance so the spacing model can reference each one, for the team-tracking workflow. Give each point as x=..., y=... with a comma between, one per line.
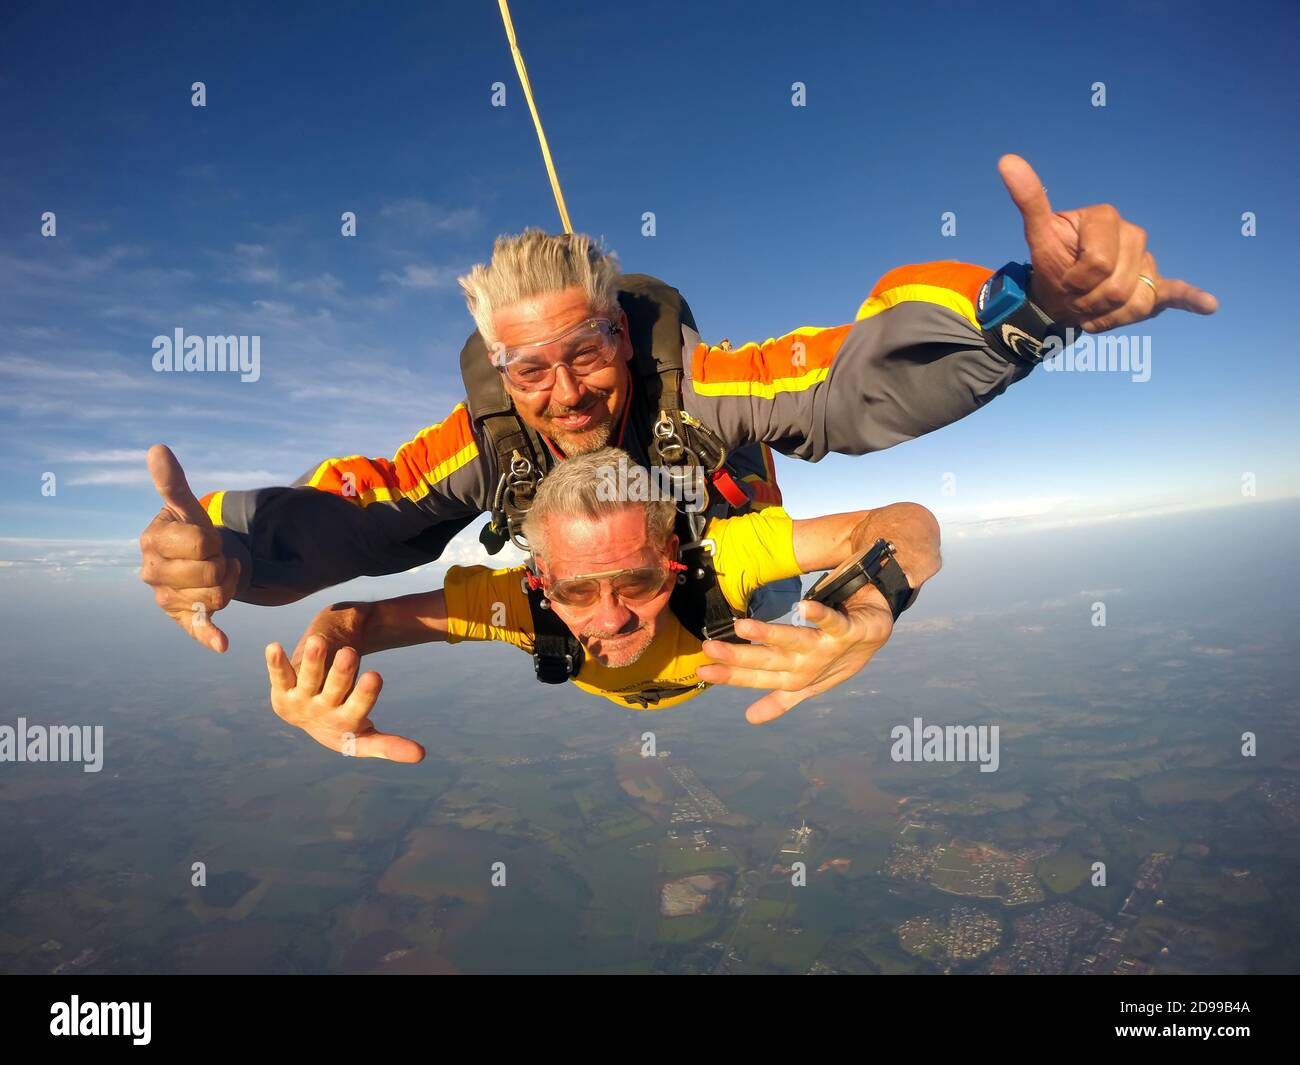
x=635, y=655
x=587, y=440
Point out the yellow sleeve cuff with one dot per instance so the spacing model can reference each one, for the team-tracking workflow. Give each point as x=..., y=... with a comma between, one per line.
x=484, y=604
x=752, y=550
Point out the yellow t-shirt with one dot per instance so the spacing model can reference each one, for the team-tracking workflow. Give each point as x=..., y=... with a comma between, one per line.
x=749, y=550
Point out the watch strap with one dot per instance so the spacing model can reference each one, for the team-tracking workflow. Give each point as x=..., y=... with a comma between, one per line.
x=876, y=566
x=1016, y=327
x=891, y=582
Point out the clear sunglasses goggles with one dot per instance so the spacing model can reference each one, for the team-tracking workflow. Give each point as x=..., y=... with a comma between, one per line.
x=586, y=348
x=634, y=585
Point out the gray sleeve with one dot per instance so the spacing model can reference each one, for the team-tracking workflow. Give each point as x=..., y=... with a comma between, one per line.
x=898, y=374
x=353, y=517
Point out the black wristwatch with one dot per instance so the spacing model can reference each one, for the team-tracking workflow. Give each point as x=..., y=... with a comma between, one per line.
x=876, y=565
x=1012, y=323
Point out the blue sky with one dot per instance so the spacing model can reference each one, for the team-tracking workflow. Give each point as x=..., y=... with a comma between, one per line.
x=226, y=220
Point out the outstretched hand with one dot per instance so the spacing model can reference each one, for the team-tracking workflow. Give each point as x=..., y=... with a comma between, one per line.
x=334, y=708
x=181, y=555
x=798, y=661
x=1088, y=263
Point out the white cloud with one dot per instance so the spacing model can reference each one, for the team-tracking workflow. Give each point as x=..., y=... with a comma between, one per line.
x=1001, y=510
x=253, y=264
x=63, y=373
x=415, y=214
x=998, y=517
x=324, y=287
x=61, y=264
x=106, y=455
x=23, y=553
x=421, y=275
x=232, y=479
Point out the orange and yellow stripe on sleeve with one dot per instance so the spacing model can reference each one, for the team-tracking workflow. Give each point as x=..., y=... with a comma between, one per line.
x=949, y=284
x=419, y=464
x=212, y=504
x=792, y=363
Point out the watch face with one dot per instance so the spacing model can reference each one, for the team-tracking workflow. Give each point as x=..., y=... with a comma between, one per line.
x=823, y=582
x=852, y=574
x=846, y=578
x=827, y=580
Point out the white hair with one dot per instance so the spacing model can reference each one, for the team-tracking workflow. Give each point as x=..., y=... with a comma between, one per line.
x=585, y=487
x=535, y=262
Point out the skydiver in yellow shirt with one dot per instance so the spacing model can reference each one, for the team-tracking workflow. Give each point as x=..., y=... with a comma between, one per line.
x=616, y=603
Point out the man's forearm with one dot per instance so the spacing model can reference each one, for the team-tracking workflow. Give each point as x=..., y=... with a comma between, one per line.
x=403, y=621
x=913, y=360
x=355, y=516
x=406, y=621
x=292, y=542
x=913, y=531
x=826, y=542
x=342, y=625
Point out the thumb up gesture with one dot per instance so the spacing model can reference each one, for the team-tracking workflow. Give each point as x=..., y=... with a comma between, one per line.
x=181, y=555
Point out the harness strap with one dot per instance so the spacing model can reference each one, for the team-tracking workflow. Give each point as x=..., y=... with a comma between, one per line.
x=698, y=601
x=557, y=653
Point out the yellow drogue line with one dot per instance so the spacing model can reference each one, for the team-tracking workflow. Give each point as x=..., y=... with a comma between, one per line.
x=537, y=119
